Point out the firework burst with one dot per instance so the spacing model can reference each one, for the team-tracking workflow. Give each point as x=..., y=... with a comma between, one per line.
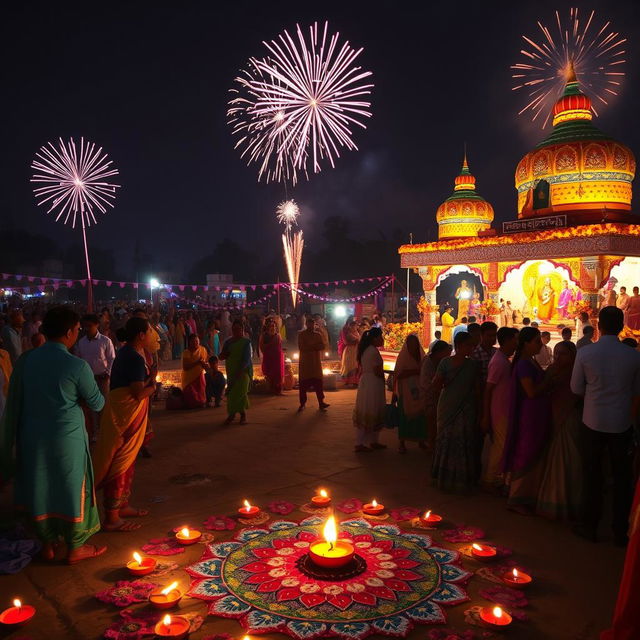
x=595, y=51
x=287, y=213
x=296, y=107
x=74, y=181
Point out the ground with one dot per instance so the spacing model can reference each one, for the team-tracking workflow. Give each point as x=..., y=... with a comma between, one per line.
x=200, y=468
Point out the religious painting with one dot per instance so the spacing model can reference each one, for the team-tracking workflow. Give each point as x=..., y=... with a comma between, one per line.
x=541, y=291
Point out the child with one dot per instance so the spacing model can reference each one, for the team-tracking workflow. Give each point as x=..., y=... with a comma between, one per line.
x=216, y=382
x=545, y=357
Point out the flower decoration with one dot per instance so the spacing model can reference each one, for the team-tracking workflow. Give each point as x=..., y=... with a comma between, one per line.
x=576, y=307
x=132, y=625
x=463, y=533
x=404, y=513
x=124, y=593
x=505, y=597
x=395, y=333
x=489, y=308
x=163, y=547
x=219, y=523
x=351, y=505
x=281, y=507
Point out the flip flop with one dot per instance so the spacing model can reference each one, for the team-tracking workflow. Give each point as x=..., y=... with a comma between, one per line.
x=97, y=551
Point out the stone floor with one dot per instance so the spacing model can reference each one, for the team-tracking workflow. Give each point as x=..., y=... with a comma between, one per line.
x=200, y=468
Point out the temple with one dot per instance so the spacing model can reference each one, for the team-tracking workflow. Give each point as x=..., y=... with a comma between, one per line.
x=574, y=234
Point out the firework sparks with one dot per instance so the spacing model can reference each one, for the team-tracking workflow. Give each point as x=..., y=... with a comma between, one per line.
x=595, y=53
x=297, y=105
x=74, y=181
x=293, y=244
x=287, y=213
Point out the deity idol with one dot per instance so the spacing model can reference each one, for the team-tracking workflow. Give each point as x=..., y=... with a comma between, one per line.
x=474, y=305
x=546, y=300
x=566, y=295
x=608, y=295
x=463, y=296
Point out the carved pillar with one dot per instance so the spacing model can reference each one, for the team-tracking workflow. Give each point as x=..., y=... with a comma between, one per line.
x=590, y=277
x=430, y=319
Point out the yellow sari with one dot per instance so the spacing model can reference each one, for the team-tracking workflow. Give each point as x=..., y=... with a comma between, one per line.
x=193, y=382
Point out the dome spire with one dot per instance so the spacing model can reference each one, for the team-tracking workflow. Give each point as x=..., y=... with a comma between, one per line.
x=465, y=181
x=571, y=72
x=573, y=104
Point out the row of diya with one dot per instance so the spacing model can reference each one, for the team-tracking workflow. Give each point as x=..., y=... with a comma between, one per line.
x=328, y=552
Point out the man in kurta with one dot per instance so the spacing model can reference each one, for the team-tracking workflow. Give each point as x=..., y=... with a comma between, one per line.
x=311, y=346
x=447, y=325
x=53, y=470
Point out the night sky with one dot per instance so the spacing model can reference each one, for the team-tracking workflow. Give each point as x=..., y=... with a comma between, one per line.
x=149, y=82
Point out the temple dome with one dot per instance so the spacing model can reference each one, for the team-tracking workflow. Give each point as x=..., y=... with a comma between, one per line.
x=464, y=213
x=584, y=168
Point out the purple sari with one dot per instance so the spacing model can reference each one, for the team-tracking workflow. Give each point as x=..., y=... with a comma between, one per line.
x=529, y=420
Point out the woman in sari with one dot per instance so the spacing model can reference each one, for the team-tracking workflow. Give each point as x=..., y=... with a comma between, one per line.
x=341, y=337
x=236, y=352
x=179, y=334
x=412, y=423
x=211, y=339
x=272, y=356
x=455, y=461
x=44, y=420
x=194, y=365
x=349, y=362
x=430, y=396
x=123, y=426
x=369, y=415
x=529, y=424
x=560, y=492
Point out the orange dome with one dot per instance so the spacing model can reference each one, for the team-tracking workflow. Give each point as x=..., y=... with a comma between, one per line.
x=464, y=213
x=584, y=168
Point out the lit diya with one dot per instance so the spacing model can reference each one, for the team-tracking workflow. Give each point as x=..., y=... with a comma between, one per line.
x=165, y=598
x=172, y=627
x=17, y=615
x=373, y=508
x=517, y=579
x=322, y=499
x=249, y=511
x=331, y=552
x=495, y=616
x=140, y=566
x=188, y=536
x=431, y=518
x=483, y=552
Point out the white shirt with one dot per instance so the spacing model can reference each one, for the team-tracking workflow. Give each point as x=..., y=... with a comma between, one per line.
x=545, y=357
x=98, y=352
x=607, y=374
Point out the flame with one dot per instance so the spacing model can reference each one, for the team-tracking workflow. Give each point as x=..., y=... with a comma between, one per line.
x=296, y=356
x=158, y=378
x=323, y=493
x=477, y=547
x=326, y=354
x=185, y=532
x=17, y=603
x=497, y=612
x=426, y=515
x=166, y=591
x=330, y=532
x=166, y=621
x=374, y=503
x=326, y=372
x=515, y=573
x=137, y=557
x=247, y=506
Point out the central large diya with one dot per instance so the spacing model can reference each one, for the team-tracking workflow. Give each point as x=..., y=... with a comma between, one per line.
x=331, y=558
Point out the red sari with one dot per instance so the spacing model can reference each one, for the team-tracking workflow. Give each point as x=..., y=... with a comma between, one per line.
x=626, y=618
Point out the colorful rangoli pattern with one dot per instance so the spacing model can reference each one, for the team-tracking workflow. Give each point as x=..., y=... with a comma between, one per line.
x=255, y=579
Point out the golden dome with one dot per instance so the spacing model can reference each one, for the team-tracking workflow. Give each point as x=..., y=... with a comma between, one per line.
x=584, y=168
x=464, y=213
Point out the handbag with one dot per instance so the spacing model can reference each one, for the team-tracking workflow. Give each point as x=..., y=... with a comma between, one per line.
x=392, y=415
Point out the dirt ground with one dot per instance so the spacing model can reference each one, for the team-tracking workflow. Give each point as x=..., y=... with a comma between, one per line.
x=200, y=468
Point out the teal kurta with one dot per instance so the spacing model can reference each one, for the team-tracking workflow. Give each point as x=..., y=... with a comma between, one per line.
x=54, y=474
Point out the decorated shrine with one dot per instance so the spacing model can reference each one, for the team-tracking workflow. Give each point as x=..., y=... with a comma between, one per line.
x=575, y=233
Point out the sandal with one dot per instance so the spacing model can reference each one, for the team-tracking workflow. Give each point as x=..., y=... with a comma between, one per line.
x=96, y=551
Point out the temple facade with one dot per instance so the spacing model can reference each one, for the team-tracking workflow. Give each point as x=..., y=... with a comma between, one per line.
x=574, y=238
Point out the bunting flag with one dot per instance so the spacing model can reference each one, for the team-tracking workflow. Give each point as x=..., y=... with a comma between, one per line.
x=182, y=287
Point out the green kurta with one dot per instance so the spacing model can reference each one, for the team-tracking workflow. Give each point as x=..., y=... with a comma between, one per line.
x=54, y=474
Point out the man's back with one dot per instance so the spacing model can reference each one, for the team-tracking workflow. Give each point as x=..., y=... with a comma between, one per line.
x=607, y=373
